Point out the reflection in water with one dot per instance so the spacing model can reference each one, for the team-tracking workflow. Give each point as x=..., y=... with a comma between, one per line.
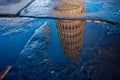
x=71, y=36
x=71, y=31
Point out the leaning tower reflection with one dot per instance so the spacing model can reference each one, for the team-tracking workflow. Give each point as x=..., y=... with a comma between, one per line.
x=70, y=31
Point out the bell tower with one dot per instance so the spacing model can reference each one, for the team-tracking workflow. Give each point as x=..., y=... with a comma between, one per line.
x=70, y=31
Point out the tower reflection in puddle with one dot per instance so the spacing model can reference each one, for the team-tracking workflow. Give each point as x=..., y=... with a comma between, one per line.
x=71, y=32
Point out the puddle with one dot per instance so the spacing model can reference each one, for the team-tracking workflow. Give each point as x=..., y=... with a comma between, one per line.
x=50, y=48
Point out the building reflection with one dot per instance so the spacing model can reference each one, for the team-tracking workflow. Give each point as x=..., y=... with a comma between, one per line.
x=71, y=32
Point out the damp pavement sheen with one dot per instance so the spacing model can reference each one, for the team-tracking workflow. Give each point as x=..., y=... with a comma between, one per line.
x=12, y=7
x=98, y=57
x=44, y=59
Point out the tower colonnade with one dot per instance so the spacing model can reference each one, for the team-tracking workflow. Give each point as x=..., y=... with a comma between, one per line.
x=70, y=32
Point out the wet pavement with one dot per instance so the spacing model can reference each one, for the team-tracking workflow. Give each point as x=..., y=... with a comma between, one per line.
x=12, y=7
x=32, y=45
x=44, y=58
x=8, y=2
